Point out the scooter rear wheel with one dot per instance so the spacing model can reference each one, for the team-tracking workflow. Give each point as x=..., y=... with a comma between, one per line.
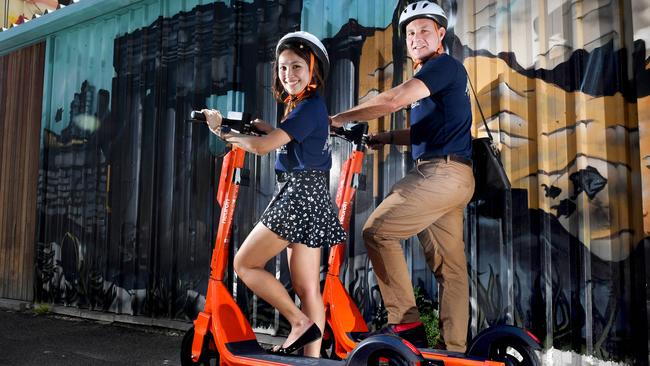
x=387, y=358
x=328, y=346
x=514, y=354
x=208, y=356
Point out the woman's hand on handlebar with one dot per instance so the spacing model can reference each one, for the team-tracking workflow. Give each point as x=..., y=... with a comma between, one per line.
x=213, y=118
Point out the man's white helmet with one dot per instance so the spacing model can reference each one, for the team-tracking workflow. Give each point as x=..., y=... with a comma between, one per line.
x=310, y=41
x=423, y=9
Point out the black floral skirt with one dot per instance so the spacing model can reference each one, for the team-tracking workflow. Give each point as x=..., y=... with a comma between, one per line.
x=302, y=211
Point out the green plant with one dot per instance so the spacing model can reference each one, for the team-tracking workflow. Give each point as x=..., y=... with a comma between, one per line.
x=428, y=316
x=41, y=309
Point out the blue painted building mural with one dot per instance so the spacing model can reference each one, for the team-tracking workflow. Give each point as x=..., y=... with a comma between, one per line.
x=126, y=212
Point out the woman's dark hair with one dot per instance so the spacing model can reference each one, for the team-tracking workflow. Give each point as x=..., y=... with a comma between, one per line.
x=303, y=52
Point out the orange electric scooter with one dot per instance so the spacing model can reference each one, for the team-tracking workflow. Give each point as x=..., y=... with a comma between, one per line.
x=345, y=324
x=222, y=334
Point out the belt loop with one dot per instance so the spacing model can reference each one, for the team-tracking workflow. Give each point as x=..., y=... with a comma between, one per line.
x=447, y=158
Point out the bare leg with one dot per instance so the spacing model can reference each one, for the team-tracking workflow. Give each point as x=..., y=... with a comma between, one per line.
x=304, y=264
x=259, y=247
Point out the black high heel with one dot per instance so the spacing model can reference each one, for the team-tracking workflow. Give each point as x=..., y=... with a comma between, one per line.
x=310, y=335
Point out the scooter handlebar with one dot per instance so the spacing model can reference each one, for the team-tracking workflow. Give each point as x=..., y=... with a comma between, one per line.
x=242, y=125
x=356, y=133
x=197, y=116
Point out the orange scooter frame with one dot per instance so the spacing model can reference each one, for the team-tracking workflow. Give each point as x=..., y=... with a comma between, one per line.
x=344, y=319
x=222, y=332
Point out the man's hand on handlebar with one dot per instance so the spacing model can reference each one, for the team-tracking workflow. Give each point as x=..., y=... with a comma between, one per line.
x=377, y=141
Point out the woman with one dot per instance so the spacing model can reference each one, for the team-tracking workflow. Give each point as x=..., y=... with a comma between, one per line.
x=300, y=217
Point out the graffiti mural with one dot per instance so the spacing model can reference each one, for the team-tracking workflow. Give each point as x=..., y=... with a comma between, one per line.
x=16, y=11
x=126, y=188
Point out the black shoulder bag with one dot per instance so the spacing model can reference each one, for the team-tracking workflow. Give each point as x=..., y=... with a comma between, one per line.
x=489, y=174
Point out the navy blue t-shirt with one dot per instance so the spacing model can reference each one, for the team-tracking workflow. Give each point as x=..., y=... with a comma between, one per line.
x=441, y=123
x=309, y=148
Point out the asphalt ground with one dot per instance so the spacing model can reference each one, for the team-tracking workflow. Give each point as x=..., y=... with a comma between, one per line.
x=50, y=339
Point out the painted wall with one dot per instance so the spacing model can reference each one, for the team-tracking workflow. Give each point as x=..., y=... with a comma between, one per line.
x=126, y=185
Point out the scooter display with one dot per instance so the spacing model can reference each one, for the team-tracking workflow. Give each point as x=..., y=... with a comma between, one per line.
x=222, y=334
x=346, y=325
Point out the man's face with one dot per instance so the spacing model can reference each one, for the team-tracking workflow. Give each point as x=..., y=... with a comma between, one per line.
x=423, y=38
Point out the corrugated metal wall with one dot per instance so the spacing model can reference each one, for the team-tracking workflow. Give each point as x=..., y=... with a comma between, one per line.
x=560, y=85
x=126, y=186
x=21, y=92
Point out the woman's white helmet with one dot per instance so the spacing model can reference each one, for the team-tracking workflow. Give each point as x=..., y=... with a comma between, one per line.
x=423, y=9
x=310, y=41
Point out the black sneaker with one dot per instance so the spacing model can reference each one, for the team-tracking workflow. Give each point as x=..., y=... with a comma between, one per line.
x=412, y=332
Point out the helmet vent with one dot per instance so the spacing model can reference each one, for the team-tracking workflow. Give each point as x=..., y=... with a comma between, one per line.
x=414, y=6
x=425, y=5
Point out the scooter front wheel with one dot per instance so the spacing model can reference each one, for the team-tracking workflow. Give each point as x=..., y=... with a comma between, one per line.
x=209, y=356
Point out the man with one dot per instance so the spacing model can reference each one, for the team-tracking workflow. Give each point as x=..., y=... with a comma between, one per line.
x=429, y=201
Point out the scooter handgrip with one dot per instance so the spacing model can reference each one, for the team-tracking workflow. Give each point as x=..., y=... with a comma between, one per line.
x=197, y=116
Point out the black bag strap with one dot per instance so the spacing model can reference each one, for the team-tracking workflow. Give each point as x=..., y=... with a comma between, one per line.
x=479, y=107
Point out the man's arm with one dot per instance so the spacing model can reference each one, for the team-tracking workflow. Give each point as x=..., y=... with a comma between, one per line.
x=390, y=101
x=393, y=137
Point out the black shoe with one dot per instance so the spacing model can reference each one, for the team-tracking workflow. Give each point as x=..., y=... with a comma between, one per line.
x=311, y=334
x=416, y=335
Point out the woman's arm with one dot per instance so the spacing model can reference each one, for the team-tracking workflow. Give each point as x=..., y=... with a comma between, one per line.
x=259, y=145
x=261, y=126
x=392, y=100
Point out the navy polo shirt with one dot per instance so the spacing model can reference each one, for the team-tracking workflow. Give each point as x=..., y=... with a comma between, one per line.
x=441, y=123
x=309, y=148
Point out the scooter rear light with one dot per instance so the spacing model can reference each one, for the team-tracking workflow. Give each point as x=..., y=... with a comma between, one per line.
x=411, y=347
x=533, y=337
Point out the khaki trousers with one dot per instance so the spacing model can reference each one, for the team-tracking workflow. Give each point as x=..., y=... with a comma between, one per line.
x=429, y=201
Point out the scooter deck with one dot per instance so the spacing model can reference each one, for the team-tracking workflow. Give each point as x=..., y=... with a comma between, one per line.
x=252, y=350
x=442, y=355
x=461, y=358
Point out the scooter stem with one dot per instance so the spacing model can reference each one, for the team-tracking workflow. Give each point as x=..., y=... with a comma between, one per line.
x=229, y=181
x=348, y=184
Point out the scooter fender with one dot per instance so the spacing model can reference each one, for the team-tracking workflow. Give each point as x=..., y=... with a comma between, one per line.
x=201, y=325
x=387, y=345
x=480, y=345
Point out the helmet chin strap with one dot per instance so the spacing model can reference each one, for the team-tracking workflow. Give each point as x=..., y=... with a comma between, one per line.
x=292, y=100
x=438, y=51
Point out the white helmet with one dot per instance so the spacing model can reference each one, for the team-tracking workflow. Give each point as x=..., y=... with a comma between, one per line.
x=312, y=42
x=423, y=9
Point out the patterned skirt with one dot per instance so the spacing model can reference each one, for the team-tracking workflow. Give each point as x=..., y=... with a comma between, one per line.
x=302, y=211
